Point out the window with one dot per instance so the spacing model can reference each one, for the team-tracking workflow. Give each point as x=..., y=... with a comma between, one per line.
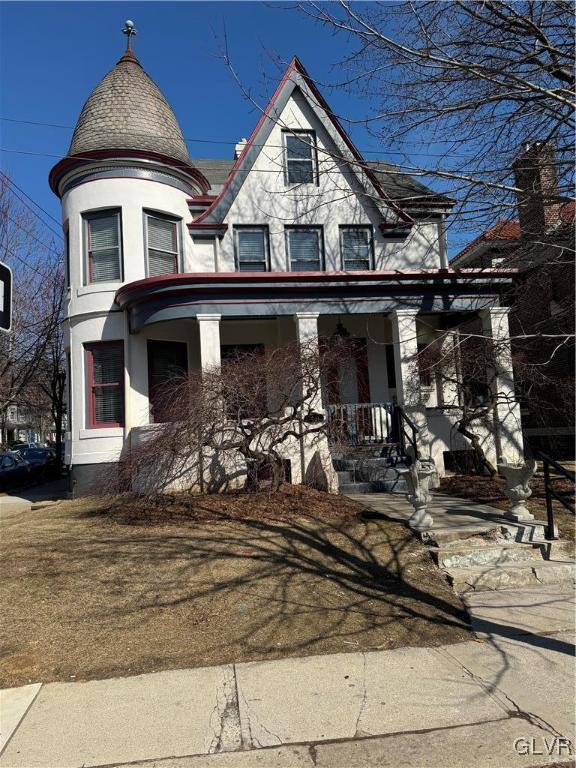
x=102, y=237
x=167, y=362
x=105, y=376
x=251, y=249
x=304, y=248
x=356, y=247
x=162, y=244
x=300, y=157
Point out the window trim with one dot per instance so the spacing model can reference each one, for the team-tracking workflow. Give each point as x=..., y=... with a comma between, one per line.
x=296, y=227
x=344, y=227
x=314, y=145
x=91, y=422
x=66, y=231
x=252, y=228
x=146, y=213
x=95, y=214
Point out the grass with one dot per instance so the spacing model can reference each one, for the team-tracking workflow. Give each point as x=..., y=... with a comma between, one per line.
x=486, y=490
x=97, y=588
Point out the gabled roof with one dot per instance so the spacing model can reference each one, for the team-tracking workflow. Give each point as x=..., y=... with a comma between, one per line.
x=507, y=233
x=294, y=78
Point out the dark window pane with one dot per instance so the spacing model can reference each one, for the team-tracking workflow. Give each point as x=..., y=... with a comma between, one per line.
x=300, y=172
x=167, y=362
x=299, y=147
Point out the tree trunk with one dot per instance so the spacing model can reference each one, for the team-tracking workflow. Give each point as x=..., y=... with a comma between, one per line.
x=482, y=461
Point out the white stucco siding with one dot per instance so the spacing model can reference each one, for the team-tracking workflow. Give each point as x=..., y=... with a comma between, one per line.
x=91, y=446
x=132, y=197
x=337, y=199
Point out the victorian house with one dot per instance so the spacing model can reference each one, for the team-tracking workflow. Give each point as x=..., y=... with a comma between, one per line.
x=173, y=260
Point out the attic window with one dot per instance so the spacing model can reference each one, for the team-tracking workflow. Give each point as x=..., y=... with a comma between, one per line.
x=300, y=157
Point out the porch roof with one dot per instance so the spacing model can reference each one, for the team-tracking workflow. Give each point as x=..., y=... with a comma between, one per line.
x=268, y=294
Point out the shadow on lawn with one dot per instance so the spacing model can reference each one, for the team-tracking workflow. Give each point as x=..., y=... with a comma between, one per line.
x=357, y=579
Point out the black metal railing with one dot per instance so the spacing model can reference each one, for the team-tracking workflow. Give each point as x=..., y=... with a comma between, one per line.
x=361, y=423
x=551, y=466
x=407, y=433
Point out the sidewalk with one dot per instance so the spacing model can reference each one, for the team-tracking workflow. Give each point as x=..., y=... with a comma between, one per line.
x=452, y=706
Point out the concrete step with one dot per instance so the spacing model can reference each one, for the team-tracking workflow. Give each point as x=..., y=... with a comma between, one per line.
x=347, y=488
x=512, y=576
x=484, y=554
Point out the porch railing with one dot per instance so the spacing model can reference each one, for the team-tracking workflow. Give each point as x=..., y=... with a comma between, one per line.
x=362, y=423
x=565, y=498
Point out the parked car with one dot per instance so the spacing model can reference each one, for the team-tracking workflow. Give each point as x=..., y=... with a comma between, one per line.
x=42, y=461
x=14, y=470
x=20, y=446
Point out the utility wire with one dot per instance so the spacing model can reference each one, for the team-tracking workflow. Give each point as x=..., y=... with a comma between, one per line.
x=9, y=181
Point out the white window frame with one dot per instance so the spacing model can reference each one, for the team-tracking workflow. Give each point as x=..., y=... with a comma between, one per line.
x=366, y=227
x=179, y=254
x=314, y=159
x=252, y=228
x=87, y=216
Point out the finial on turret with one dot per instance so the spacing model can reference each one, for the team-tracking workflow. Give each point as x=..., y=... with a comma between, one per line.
x=129, y=31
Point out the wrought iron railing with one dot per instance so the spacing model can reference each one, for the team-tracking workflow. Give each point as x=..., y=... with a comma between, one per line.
x=407, y=433
x=550, y=467
x=361, y=423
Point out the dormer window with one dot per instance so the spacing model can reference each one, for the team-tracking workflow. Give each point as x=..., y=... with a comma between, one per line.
x=301, y=160
x=103, y=246
x=162, y=244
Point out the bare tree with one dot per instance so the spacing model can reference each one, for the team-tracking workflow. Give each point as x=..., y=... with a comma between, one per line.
x=233, y=426
x=37, y=305
x=462, y=84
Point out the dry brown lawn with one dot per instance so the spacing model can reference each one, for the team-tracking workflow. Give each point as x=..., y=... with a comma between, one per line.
x=104, y=587
x=486, y=490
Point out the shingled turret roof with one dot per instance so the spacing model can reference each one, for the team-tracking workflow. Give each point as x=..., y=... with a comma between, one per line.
x=127, y=111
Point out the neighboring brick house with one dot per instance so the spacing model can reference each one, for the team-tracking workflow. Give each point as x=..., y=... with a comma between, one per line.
x=540, y=243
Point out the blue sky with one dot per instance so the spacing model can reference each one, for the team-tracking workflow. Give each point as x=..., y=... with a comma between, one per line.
x=52, y=54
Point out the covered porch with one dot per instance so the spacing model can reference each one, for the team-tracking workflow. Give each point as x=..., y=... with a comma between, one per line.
x=191, y=323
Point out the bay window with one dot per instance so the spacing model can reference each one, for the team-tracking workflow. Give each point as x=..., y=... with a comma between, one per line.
x=105, y=379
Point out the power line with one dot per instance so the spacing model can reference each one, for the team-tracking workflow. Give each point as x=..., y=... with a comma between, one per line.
x=229, y=142
x=13, y=184
x=33, y=236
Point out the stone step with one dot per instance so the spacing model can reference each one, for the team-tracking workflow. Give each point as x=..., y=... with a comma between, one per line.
x=512, y=576
x=345, y=476
x=380, y=486
x=484, y=554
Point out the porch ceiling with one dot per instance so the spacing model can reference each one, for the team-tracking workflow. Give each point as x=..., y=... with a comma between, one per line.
x=251, y=294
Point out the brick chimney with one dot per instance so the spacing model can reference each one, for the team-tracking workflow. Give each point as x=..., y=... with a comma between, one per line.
x=535, y=175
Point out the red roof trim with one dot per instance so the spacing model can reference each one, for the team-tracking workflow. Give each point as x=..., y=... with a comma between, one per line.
x=296, y=65
x=71, y=161
x=225, y=278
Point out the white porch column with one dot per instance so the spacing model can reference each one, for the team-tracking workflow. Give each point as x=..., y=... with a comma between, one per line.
x=209, y=335
x=408, y=387
x=508, y=425
x=307, y=336
x=405, y=361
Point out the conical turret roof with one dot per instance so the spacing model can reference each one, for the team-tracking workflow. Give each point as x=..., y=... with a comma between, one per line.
x=127, y=111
